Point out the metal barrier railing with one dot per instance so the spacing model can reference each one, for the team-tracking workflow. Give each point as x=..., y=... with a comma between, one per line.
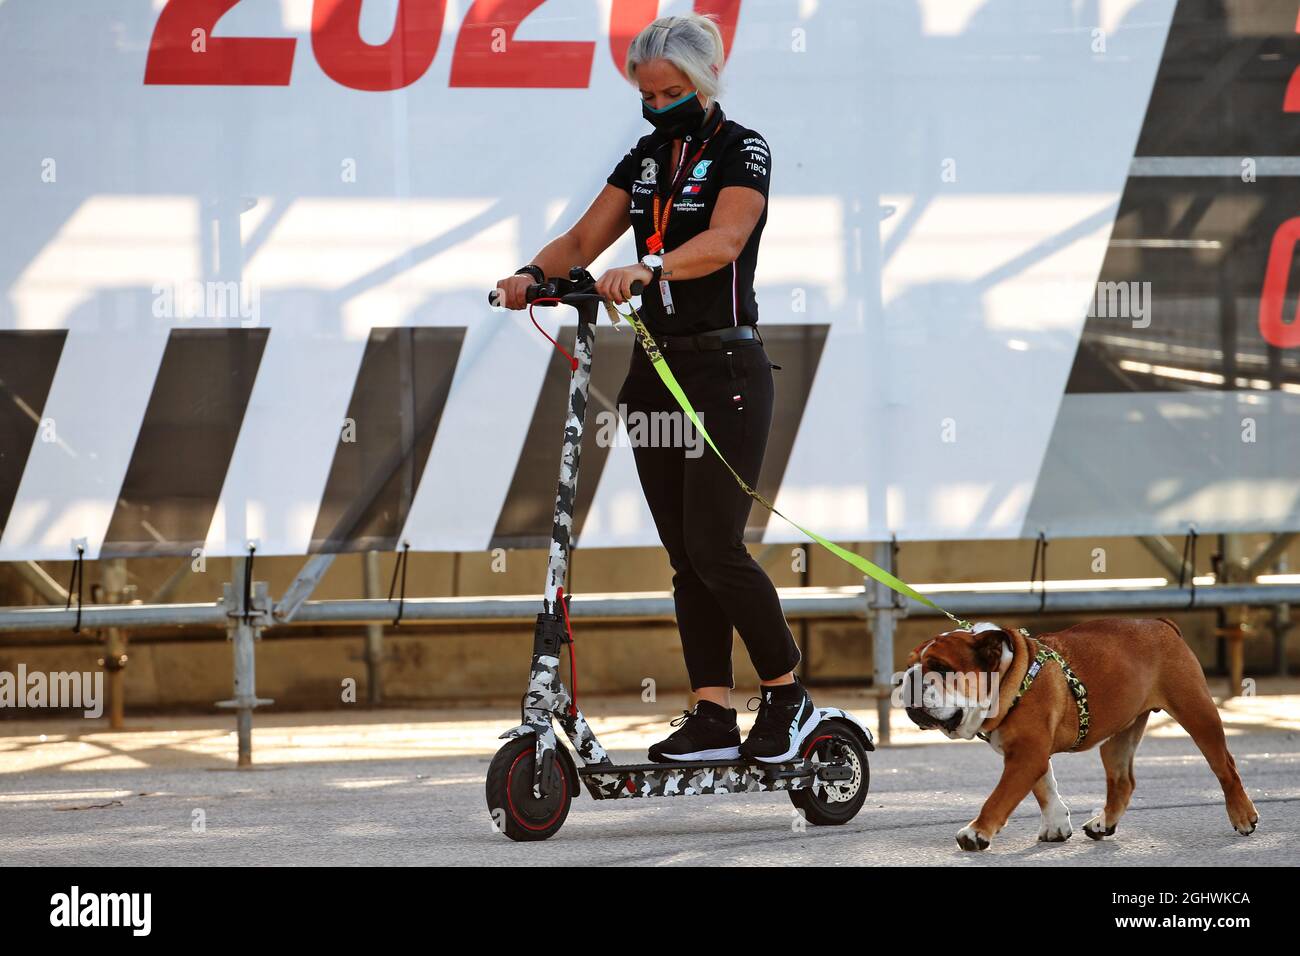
x=852, y=602
x=876, y=605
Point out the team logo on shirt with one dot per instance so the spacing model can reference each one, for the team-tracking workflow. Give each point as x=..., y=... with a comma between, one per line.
x=701, y=169
x=649, y=170
x=691, y=190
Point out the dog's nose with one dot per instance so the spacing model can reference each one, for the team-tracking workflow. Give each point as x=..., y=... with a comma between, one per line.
x=919, y=717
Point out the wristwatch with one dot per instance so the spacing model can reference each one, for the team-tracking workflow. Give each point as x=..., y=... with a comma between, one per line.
x=534, y=271
x=655, y=264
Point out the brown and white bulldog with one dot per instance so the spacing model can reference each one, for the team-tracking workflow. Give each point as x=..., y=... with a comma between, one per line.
x=1125, y=668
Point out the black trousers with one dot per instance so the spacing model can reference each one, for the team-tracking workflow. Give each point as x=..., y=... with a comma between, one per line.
x=699, y=509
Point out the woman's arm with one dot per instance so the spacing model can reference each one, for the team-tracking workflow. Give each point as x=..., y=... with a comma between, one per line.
x=735, y=215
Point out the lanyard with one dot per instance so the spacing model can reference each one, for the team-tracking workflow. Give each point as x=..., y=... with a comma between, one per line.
x=655, y=242
x=651, y=348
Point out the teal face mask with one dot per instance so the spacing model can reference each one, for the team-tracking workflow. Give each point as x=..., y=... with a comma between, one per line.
x=679, y=117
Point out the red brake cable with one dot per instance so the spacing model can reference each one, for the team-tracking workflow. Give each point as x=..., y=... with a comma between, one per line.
x=573, y=667
x=573, y=362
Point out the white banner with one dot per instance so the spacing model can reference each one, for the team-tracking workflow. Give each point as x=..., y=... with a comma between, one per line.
x=248, y=244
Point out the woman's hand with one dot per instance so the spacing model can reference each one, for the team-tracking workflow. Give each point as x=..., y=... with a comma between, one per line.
x=616, y=284
x=513, y=291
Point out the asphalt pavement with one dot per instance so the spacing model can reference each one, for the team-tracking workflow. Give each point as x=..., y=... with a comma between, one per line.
x=407, y=788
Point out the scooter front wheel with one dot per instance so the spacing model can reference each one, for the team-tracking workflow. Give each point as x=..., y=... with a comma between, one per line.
x=835, y=802
x=515, y=811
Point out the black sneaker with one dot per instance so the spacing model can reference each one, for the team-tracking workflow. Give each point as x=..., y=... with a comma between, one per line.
x=786, y=716
x=707, y=733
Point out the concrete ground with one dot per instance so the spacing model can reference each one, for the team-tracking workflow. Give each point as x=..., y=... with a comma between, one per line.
x=406, y=787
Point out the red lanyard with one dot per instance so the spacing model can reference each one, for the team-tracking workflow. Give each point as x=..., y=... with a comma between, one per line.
x=655, y=241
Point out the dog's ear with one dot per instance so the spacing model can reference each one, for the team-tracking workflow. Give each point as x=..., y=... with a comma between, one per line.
x=988, y=646
x=917, y=651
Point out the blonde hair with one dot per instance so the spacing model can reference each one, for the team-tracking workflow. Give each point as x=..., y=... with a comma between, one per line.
x=691, y=42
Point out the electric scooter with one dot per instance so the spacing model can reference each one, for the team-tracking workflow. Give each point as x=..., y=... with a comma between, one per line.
x=532, y=779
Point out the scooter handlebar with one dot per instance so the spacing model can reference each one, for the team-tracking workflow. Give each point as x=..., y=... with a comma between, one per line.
x=550, y=289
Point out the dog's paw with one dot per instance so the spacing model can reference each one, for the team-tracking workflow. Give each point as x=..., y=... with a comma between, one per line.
x=1245, y=825
x=1097, y=829
x=1055, y=831
x=968, y=838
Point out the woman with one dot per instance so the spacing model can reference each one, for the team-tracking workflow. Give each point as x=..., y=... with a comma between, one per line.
x=695, y=193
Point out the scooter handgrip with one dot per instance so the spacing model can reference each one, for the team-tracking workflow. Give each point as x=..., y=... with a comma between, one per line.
x=637, y=286
x=494, y=298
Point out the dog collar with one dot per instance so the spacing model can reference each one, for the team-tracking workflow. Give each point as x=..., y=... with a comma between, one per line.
x=1076, y=686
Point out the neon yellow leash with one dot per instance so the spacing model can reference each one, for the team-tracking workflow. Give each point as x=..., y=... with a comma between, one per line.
x=858, y=561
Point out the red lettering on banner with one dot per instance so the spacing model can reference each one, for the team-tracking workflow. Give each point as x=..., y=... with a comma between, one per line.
x=351, y=61
x=488, y=55
x=219, y=61
x=627, y=18
x=1273, y=327
x=1291, y=102
x=1272, y=298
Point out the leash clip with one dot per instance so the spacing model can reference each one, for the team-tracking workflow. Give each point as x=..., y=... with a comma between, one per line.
x=615, y=317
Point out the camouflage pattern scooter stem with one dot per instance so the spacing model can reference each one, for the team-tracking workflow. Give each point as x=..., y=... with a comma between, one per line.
x=546, y=696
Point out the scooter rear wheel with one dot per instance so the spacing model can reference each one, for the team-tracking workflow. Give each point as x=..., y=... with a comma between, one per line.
x=515, y=811
x=835, y=802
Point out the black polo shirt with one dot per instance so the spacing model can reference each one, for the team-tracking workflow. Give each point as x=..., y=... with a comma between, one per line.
x=734, y=156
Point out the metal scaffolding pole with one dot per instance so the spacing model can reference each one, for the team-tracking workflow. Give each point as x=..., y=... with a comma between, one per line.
x=41, y=582
x=1236, y=621
x=302, y=587
x=1164, y=552
x=115, y=642
x=1273, y=552
x=1281, y=625
x=374, y=634
x=884, y=614
x=173, y=582
x=244, y=626
x=846, y=602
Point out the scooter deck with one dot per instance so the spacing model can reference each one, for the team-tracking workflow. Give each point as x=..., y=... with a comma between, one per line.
x=694, y=778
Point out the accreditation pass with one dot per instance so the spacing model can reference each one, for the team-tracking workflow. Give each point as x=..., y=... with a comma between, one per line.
x=667, y=295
